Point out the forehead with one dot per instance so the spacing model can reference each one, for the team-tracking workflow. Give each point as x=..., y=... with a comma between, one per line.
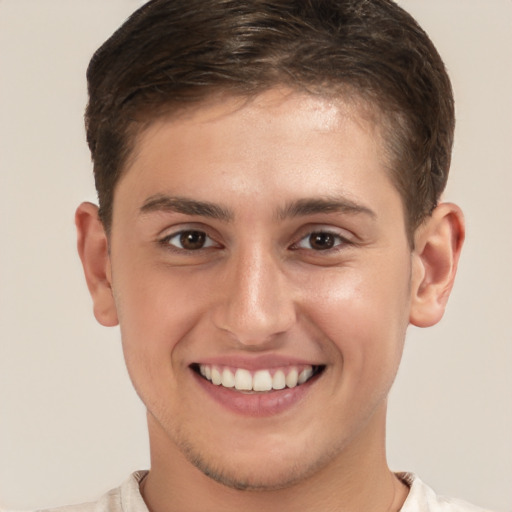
x=296, y=114
x=281, y=141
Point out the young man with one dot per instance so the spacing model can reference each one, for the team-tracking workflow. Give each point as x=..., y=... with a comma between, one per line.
x=269, y=176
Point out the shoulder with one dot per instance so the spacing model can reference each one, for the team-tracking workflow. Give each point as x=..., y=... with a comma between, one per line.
x=422, y=498
x=126, y=498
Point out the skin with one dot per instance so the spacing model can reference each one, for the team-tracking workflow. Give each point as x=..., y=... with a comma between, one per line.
x=260, y=289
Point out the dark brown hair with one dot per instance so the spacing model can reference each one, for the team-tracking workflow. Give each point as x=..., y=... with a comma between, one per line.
x=173, y=53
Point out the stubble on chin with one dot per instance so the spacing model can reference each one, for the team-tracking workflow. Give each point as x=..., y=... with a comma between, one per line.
x=243, y=479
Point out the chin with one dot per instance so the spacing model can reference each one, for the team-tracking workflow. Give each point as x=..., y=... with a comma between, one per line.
x=253, y=480
x=264, y=471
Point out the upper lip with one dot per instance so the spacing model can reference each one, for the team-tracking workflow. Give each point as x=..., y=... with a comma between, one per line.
x=256, y=362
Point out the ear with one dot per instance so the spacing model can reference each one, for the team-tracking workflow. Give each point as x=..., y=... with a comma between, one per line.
x=93, y=250
x=438, y=242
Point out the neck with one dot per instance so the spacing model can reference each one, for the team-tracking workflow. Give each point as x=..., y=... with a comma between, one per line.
x=357, y=479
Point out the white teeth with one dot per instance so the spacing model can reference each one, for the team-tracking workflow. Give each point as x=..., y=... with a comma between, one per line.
x=228, y=379
x=262, y=380
x=205, y=371
x=243, y=380
x=216, y=377
x=291, y=378
x=279, y=380
x=305, y=375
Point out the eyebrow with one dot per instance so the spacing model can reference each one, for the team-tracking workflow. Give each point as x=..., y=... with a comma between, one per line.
x=299, y=208
x=304, y=207
x=164, y=203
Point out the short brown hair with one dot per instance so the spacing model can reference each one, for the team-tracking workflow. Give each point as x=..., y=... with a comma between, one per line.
x=172, y=53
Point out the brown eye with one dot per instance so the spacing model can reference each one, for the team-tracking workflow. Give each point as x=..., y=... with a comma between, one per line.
x=190, y=240
x=322, y=241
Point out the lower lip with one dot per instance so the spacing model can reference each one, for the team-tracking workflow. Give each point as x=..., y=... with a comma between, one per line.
x=256, y=404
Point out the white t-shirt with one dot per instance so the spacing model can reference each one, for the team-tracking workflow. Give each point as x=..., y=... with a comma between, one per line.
x=127, y=498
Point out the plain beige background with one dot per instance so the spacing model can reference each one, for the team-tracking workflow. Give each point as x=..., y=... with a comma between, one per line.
x=70, y=425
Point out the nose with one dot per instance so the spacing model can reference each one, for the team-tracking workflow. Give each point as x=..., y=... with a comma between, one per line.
x=257, y=301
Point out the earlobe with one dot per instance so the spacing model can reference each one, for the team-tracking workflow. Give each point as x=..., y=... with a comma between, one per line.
x=92, y=246
x=438, y=243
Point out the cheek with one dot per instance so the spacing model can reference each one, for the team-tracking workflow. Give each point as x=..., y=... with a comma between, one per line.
x=364, y=314
x=156, y=314
x=157, y=308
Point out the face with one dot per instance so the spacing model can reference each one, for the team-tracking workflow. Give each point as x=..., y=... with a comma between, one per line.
x=261, y=274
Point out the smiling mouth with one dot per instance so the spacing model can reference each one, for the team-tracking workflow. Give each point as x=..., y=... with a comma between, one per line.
x=260, y=381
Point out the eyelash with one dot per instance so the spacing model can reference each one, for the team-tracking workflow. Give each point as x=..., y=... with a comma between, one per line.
x=338, y=241
x=166, y=241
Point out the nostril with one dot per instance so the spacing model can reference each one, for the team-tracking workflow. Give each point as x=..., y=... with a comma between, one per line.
x=256, y=303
